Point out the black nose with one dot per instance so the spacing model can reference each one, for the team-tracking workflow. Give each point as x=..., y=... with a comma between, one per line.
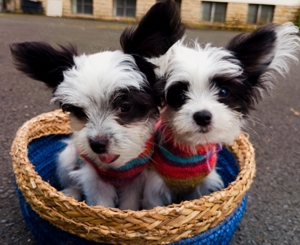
x=203, y=118
x=98, y=145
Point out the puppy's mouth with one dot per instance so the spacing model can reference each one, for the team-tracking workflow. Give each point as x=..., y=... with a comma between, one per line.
x=108, y=158
x=204, y=130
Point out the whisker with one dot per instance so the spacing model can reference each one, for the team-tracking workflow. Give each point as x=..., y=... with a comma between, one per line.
x=256, y=120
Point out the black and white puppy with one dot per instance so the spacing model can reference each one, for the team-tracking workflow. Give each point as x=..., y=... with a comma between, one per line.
x=111, y=107
x=208, y=92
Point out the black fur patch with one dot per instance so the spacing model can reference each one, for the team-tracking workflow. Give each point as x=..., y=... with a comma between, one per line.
x=133, y=105
x=42, y=62
x=76, y=111
x=241, y=95
x=157, y=31
x=176, y=94
x=254, y=51
x=159, y=91
x=147, y=68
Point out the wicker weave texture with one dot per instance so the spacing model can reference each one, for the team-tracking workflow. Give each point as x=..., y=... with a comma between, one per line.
x=157, y=226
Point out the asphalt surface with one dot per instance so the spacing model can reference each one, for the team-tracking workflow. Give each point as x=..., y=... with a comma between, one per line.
x=273, y=210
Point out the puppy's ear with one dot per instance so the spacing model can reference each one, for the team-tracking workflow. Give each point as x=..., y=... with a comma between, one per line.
x=42, y=62
x=157, y=31
x=159, y=91
x=266, y=51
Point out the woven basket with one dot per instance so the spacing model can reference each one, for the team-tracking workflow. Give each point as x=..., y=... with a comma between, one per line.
x=160, y=225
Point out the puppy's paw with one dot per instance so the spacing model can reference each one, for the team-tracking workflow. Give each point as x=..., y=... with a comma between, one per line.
x=66, y=163
x=72, y=192
x=166, y=196
x=130, y=195
x=96, y=191
x=156, y=192
x=105, y=196
x=107, y=203
x=129, y=205
x=213, y=182
x=158, y=199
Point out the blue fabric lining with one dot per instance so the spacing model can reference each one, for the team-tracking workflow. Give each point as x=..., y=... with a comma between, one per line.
x=43, y=154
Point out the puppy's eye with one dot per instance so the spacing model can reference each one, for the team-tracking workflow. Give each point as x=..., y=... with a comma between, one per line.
x=125, y=107
x=176, y=95
x=181, y=96
x=76, y=111
x=224, y=93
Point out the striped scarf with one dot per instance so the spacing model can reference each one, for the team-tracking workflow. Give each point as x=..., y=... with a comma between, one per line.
x=181, y=168
x=127, y=173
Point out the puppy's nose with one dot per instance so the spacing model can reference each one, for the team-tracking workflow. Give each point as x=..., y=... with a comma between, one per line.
x=99, y=145
x=202, y=118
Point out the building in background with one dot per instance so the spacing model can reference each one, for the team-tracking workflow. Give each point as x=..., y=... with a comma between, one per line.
x=217, y=13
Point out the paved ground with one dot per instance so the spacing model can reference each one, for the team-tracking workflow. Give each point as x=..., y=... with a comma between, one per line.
x=273, y=212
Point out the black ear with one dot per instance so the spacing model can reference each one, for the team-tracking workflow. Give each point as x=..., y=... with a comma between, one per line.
x=42, y=62
x=267, y=52
x=159, y=91
x=255, y=50
x=157, y=31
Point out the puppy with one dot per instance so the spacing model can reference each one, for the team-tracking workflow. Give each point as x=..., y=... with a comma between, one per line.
x=207, y=94
x=108, y=96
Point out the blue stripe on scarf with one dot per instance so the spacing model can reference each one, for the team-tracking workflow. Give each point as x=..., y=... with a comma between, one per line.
x=136, y=162
x=181, y=160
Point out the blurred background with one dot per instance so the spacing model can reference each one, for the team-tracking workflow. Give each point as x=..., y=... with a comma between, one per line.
x=241, y=14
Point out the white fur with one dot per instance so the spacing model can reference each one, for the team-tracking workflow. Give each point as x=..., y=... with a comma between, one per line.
x=108, y=96
x=156, y=192
x=287, y=48
x=285, y=55
x=67, y=162
x=90, y=85
x=96, y=191
x=130, y=196
x=196, y=65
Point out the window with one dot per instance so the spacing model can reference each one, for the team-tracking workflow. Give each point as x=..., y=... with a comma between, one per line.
x=82, y=6
x=260, y=14
x=125, y=8
x=214, y=12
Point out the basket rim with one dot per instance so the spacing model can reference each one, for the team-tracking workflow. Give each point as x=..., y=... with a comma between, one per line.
x=38, y=192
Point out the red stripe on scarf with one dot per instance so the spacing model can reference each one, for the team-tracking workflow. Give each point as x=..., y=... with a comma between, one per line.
x=182, y=177
x=182, y=172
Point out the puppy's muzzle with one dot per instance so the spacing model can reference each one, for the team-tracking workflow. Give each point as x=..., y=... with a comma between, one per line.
x=99, y=145
x=203, y=118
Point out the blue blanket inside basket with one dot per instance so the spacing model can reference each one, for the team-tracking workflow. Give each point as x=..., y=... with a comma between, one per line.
x=43, y=152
